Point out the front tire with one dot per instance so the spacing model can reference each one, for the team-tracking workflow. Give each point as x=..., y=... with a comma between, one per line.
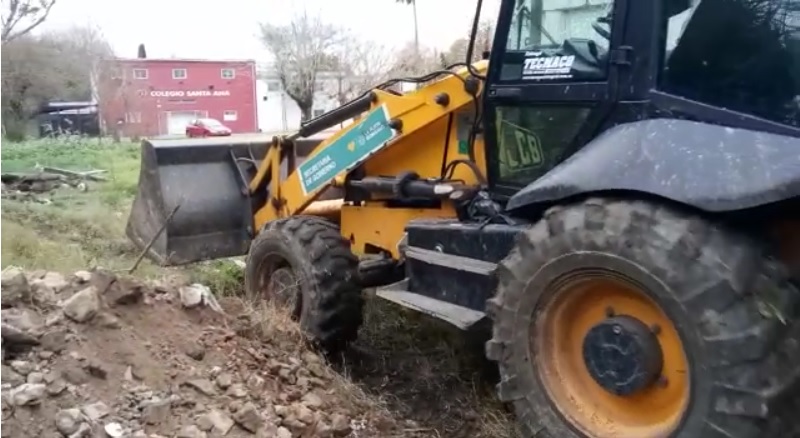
x=303, y=262
x=708, y=324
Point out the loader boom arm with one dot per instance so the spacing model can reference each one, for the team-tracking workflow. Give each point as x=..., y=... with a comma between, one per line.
x=391, y=120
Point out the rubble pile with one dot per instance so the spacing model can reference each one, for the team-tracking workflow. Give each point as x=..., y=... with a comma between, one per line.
x=33, y=186
x=94, y=354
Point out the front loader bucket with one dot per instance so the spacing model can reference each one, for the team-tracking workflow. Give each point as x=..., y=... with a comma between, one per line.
x=193, y=203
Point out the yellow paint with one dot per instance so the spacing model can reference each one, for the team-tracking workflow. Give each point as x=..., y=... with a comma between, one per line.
x=420, y=148
x=382, y=227
x=574, y=309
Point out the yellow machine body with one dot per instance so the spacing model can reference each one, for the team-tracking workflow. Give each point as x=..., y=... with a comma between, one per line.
x=436, y=121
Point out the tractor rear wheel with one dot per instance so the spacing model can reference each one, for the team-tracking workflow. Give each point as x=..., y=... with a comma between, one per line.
x=627, y=319
x=303, y=263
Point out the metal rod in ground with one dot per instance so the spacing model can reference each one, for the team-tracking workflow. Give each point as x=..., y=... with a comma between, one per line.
x=155, y=237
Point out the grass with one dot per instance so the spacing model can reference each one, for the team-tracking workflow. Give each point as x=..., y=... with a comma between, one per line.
x=420, y=369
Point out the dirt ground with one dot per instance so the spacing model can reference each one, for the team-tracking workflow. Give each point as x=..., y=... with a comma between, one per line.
x=92, y=354
x=407, y=375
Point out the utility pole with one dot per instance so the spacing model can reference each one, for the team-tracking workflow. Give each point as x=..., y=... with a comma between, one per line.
x=416, y=28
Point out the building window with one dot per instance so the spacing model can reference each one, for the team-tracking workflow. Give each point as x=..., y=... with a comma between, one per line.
x=140, y=73
x=318, y=112
x=133, y=117
x=273, y=86
x=229, y=116
x=178, y=73
x=228, y=73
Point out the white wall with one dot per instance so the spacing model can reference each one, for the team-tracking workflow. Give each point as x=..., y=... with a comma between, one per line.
x=278, y=112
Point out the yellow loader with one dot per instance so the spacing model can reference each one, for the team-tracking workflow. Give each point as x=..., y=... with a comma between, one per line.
x=615, y=187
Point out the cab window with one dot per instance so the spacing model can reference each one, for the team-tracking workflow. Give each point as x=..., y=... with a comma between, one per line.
x=558, y=40
x=741, y=55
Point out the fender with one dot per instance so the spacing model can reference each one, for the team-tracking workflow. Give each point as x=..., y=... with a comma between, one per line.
x=710, y=167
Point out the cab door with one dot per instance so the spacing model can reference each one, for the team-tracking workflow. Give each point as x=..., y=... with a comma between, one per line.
x=552, y=81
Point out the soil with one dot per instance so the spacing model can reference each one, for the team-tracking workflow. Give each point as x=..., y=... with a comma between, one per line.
x=94, y=354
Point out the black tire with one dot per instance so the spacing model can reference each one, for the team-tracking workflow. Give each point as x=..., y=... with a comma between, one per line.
x=733, y=307
x=329, y=306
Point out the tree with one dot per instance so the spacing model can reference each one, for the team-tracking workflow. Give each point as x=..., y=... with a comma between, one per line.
x=54, y=66
x=359, y=65
x=483, y=42
x=22, y=16
x=301, y=49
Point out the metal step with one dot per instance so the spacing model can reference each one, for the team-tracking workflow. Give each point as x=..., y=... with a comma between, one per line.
x=459, y=316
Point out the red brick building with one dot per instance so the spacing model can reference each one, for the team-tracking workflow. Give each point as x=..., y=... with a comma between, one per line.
x=150, y=97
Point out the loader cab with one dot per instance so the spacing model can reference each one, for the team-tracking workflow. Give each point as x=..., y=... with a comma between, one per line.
x=564, y=71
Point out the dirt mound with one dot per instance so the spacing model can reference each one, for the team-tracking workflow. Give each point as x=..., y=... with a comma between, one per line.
x=96, y=354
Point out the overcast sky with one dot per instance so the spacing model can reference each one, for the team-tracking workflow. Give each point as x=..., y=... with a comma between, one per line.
x=227, y=29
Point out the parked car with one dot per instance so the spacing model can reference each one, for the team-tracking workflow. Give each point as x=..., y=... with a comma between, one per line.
x=207, y=128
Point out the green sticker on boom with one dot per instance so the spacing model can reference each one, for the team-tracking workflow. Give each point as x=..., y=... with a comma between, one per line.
x=348, y=151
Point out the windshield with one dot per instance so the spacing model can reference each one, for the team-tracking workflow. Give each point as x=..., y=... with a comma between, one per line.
x=210, y=123
x=538, y=24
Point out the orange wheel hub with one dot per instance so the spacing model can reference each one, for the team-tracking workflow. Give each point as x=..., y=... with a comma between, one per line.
x=610, y=359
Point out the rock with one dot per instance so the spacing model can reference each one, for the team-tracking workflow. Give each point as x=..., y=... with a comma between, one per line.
x=56, y=387
x=156, y=412
x=14, y=336
x=23, y=320
x=340, y=425
x=196, y=351
x=83, y=305
x=82, y=277
x=45, y=289
x=312, y=400
x=247, y=417
x=107, y=320
x=192, y=295
x=124, y=292
x=11, y=377
x=54, y=340
x=190, y=431
x=22, y=367
x=255, y=382
x=84, y=431
x=95, y=411
x=68, y=421
x=237, y=390
x=219, y=420
x=35, y=377
x=27, y=394
x=15, y=287
x=74, y=375
x=114, y=430
x=224, y=380
x=204, y=423
x=203, y=386
x=102, y=279
x=303, y=413
x=284, y=433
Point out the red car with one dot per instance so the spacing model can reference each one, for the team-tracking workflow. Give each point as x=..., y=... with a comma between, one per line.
x=207, y=128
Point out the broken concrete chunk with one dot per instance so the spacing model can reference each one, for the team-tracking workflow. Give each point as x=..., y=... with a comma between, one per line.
x=15, y=287
x=95, y=411
x=192, y=295
x=68, y=421
x=83, y=305
x=28, y=394
x=203, y=386
x=247, y=417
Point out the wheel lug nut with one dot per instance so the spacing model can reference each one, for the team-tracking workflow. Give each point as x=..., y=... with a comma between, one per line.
x=610, y=312
x=662, y=381
x=656, y=329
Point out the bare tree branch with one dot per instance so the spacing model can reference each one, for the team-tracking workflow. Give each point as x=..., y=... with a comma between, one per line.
x=16, y=11
x=300, y=50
